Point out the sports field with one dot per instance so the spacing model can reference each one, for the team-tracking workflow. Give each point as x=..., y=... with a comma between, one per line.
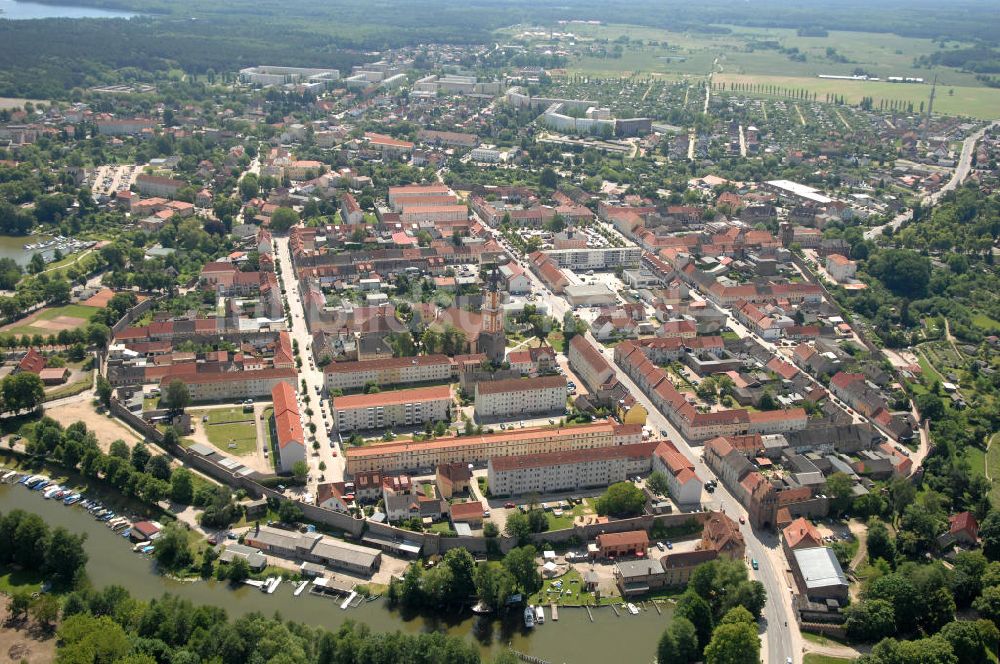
x=229, y=429
x=51, y=320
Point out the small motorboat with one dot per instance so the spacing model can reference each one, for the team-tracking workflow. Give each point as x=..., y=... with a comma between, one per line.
x=529, y=616
x=632, y=608
x=539, y=615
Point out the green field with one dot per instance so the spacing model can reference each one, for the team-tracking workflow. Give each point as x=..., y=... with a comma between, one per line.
x=992, y=463
x=746, y=50
x=230, y=429
x=984, y=322
x=976, y=102
x=813, y=658
x=52, y=319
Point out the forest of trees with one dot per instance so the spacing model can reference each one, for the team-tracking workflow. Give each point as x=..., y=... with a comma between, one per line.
x=110, y=626
x=48, y=58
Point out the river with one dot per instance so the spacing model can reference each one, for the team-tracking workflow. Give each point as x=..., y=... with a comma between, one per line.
x=12, y=246
x=571, y=640
x=14, y=10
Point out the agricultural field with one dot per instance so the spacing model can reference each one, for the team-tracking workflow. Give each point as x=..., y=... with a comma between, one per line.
x=746, y=50
x=51, y=320
x=976, y=102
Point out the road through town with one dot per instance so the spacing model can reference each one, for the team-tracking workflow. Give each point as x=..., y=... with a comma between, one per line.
x=781, y=638
x=313, y=377
x=962, y=170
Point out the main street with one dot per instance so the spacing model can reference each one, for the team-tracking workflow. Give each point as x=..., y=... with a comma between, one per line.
x=781, y=638
x=961, y=172
x=309, y=372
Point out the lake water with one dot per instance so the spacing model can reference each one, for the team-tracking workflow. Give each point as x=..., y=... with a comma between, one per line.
x=574, y=639
x=21, y=11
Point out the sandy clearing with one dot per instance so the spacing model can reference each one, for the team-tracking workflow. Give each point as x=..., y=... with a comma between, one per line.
x=106, y=428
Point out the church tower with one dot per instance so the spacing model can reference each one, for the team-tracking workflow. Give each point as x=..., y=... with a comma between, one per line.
x=492, y=339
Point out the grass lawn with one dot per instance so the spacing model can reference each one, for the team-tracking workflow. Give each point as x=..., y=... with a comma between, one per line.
x=993, y=463
x=813, y=658
x=977, y=460
x=16, y=579
x=37, y=326
x=230, y=429
x=70, y=389
x=272, y=437
x=984, y=322
x=572, y=581
x=441, y=527
x=566, y=520
x=821, y=639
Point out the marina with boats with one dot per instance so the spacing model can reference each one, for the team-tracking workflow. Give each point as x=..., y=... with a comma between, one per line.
x=576, y=637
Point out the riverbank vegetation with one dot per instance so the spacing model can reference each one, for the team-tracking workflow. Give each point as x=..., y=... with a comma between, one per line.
x=110, y=626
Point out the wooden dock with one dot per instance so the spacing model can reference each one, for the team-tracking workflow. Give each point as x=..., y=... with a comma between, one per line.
x=587, y=606
x=555, y=611
x=656, y=605
x=530, y=659
x=615, y=609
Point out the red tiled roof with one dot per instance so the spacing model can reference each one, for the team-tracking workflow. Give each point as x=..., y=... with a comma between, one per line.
x=392, y=397
x=520, y=384
x=547, y=459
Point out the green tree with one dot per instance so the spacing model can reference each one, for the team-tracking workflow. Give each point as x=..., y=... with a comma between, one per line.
x=696, y=610
x=733, y=643
x=45, y=611
x=657, y=481
x=989, y=533
x=300, y=470
x=20, y=602
x=289, y=512
x=249, y=186
x=172, y=550
x=968, y=640
x=65, y=557
x=494, y=583
x=284, y=218
x=84, y=638
x=520, y=562
x=104, y=390
x=934, y=650
x=182, y=486
x=22, y=391
x=548, y=178
x=177, y=396
x=880, y=544
x=678, y=643
x=238, y=571
x=518, y=527
x=988, y=604
x=870, y=620
x=622, y=499
x=839, y=487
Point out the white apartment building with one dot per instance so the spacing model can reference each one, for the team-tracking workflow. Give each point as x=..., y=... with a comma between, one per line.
x=596, y=258
x=392, y=409
x=567, y=471
x=520, y=396
x=588, y=363
x=231, y=384
x=267, y=75
x=488, y=155
x=386, y=372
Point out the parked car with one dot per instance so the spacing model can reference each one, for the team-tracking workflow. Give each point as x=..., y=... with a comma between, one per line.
x=509, y=506
x=754, y=563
